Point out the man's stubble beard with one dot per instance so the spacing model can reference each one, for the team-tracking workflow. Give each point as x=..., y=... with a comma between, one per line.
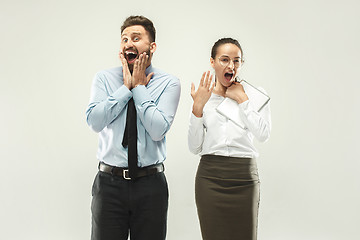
x=131, y=67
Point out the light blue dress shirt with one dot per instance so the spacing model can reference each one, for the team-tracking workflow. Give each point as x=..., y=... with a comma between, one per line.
x=155, y=103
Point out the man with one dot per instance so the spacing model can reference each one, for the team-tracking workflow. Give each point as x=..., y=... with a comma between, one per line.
x=132, y=107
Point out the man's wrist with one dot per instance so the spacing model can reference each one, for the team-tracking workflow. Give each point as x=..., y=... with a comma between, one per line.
x=138, y=84
x=128, y=86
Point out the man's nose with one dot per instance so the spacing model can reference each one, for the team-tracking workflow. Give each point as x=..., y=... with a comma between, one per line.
x=129, y=44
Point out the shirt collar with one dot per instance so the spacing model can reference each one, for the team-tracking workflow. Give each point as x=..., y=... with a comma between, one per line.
x=149, y=69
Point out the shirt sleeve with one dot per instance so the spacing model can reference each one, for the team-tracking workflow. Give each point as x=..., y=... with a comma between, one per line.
x=157, y=118
x=196, y=134
x=104, y=108
x=258, y=123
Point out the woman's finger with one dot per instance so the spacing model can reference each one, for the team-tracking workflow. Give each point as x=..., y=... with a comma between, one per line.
x=212, y=87
x=208, y=79
x=202, y=79
x=192, y=91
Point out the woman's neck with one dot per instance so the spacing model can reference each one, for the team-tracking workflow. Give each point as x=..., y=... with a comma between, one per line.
x=219, y=89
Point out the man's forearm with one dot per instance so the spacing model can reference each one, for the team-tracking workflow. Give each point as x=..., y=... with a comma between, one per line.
x=157, y=118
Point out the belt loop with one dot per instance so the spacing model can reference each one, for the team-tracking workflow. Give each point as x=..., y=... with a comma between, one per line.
x=112, y=171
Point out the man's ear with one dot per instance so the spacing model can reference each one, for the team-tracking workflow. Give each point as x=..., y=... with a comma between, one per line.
x=152, y=47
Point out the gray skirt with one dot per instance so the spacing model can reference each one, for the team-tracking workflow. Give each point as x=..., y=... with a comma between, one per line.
x=227, y=197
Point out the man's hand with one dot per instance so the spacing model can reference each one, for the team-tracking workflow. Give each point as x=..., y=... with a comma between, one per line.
x=126, y=72
x=138, y=76
x=203, y=93
x=236, y=92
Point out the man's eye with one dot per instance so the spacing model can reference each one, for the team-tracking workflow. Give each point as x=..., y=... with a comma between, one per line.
x=236, y=61
x=125, y=40
x=224, y=60
x=136, y=39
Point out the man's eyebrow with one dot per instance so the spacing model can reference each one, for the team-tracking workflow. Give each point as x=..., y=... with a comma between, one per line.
x=132, y=33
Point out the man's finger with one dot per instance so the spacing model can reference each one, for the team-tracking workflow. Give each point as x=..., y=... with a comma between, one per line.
x=122, y=58
x=148, y=78
x=124, y=63
x=146, y=59
x=136, y=64
x=141, y=62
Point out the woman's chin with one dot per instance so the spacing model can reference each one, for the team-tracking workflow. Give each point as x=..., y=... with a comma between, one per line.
x=226, y=82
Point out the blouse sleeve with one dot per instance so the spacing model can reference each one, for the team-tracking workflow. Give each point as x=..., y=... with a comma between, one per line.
x=196, y=134
x=258, y=123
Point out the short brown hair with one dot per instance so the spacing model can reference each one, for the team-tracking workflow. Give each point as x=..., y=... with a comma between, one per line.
x=142, y=21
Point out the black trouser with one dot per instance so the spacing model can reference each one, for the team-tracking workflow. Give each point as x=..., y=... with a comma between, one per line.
x=120, y=206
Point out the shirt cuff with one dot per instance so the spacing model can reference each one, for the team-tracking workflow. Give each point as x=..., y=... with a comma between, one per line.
x=196, y=121
x=123, y=94
x=246, y=107
x=141, y=95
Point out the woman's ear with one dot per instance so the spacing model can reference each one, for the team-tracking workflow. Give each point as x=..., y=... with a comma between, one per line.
x=212, y=62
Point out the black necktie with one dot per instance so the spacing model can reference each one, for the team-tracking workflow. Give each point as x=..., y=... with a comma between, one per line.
x=130, y=138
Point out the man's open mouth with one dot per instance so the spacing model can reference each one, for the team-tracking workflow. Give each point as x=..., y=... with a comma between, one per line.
x=131, y=56
x=229, y=76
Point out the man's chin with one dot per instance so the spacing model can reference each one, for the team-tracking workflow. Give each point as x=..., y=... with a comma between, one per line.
x=131, y=67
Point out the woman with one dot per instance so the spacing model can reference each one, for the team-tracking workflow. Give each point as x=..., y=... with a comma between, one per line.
x=227, y=183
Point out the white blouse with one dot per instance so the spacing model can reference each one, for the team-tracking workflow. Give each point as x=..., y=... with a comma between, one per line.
x=215, y=134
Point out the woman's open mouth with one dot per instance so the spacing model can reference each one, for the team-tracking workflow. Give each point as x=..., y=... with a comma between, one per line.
x=229, y=76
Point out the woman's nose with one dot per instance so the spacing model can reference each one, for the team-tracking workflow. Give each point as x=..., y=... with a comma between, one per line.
x=231, y=64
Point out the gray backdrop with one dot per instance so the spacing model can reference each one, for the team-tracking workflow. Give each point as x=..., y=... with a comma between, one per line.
x=304, y=53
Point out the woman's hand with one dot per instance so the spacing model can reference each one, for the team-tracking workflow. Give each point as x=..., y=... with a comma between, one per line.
x=203, y=93
x=236, y=92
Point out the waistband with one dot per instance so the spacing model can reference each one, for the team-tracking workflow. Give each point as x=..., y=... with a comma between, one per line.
x=220, y=158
